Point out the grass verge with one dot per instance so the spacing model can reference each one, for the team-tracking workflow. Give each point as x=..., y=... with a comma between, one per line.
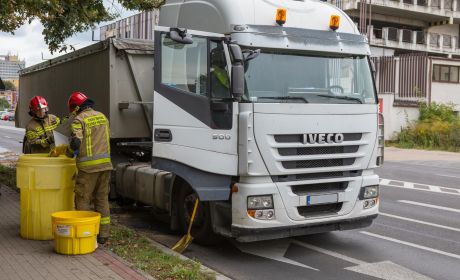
x=8, y=176
x=142, y=254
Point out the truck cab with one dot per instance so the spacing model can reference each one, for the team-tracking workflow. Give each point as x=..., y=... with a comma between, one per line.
x=265, y=110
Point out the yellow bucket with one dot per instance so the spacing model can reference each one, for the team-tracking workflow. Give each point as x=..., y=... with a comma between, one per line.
x=75, y=232
x=47, y=186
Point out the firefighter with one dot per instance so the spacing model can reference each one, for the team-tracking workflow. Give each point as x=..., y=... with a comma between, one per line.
x=39, y=131
x=90, y=144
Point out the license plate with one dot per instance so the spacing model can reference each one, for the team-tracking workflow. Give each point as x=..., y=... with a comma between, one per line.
x=322, y=199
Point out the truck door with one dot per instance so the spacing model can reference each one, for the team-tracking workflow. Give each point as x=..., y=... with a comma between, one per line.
x=195, y=116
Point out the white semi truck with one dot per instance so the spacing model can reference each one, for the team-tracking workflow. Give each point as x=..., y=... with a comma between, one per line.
x=265, y=110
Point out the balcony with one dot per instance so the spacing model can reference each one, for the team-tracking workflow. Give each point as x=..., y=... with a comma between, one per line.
x=425, y=10
x=420, y=41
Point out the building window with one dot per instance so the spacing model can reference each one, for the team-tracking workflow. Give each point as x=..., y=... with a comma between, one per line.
x=446, y=73
x=453, y=74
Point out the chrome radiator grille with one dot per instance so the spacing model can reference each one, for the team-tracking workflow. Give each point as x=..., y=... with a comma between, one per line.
x=294, y=153
x=317, y=169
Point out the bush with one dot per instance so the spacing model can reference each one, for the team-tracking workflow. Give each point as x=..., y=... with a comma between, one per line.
x=435, y=111
x=438, y=127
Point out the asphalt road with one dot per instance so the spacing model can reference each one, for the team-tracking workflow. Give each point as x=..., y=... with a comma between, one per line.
x=416, y=236
x=10, y=137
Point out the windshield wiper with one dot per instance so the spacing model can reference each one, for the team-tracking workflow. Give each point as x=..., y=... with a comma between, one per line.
x=284, y=98
x=342, y=97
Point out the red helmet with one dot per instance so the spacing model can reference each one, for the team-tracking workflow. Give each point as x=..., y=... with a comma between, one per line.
x=76, y=99
x=37, y=103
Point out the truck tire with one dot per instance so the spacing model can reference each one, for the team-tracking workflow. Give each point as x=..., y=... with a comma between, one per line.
x=202, y=226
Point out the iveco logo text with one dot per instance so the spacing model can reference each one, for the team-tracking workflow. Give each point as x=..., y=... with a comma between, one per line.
x=322, y=138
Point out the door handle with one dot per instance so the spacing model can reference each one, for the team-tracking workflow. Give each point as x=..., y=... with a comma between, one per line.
x=163, y=135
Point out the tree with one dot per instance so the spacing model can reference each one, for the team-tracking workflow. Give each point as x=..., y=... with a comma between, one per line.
x=63, y=18
x=4, y=104
x=9, y=85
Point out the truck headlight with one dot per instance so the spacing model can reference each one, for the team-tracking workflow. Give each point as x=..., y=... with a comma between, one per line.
x=260, y=202
x=369, y=192
x=261, y=207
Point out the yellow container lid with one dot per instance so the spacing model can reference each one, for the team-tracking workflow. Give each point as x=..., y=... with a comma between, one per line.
x=74, y=217
x=44, y=159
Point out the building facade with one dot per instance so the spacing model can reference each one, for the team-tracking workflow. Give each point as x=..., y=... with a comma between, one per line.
x=138, y=26
x=9, y=68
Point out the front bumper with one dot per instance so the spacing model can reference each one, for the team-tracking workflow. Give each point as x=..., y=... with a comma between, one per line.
x=257, y=234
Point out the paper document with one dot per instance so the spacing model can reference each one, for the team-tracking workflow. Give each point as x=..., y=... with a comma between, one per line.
x=64, y=127
x=60, y=139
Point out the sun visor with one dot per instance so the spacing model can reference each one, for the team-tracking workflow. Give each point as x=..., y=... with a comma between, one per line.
x=271, y=37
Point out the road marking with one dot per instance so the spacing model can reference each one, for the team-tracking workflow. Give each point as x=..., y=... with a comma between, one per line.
x=411, y=244
x=419, y=187
x=448, y=176
x=8, y=137
x=385, y=270
x=419, y=222
x=430, y=206
x=328, y=252
x=273, y=250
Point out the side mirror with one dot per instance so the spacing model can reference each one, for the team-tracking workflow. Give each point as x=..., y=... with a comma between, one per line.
x=237, y=81
x=237, y=85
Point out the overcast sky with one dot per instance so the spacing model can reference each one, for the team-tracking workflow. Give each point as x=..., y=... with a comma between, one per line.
x=28, y=42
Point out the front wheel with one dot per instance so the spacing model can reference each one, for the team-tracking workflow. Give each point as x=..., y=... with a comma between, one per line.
x=202, y=226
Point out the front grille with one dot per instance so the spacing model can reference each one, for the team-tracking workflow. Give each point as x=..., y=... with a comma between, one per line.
x=317, y=150
x=297, y=138
x=316, y=176
x=332, y=187
x=319, y=210
x=318, y=163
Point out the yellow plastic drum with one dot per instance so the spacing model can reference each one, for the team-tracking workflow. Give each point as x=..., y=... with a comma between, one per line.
x=75, y=232
x=47, y=186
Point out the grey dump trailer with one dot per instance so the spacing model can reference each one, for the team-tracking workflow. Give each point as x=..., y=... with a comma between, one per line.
x=116, y=73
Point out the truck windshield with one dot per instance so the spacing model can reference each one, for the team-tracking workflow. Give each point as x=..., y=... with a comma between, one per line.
x=274, y=77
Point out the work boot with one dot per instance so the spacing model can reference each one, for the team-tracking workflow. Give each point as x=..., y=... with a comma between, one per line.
x=102, y=240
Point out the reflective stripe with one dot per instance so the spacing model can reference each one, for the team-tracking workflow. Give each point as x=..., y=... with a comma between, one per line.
x=89, y=152
x=33, y=135
x=51, y=127
x=93, y=162
x=105, y=220
x=90, y=142
x=95, y=121
x=77, y=126
x=99, y=156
